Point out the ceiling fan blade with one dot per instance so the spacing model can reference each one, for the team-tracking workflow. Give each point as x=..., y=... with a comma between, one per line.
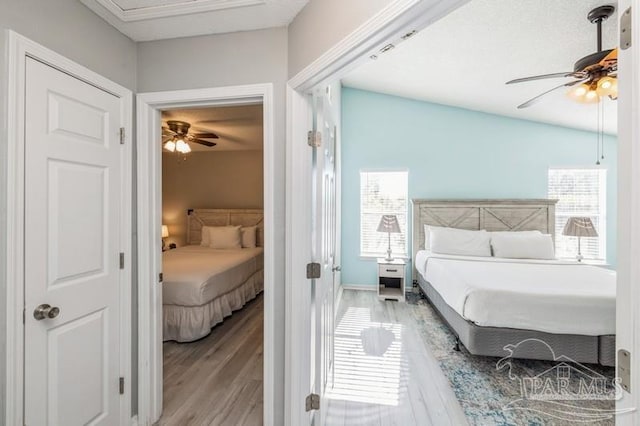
x=544, y=76
x=167, y=131
x=205, y=135
x=205, y=143
x=537, y=98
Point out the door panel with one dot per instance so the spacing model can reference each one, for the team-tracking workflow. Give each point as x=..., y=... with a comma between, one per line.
x=72, y=228
x=324, y=248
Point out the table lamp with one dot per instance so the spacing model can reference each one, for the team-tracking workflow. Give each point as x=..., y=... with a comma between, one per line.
x=579, y=227
x=165, y=234
x=389, y=224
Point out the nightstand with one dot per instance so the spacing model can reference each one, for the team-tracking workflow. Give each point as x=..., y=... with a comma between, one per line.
x=391, y=275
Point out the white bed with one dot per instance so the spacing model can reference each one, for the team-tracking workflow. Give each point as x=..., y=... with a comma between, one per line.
x=543, y=295
x=203, y=285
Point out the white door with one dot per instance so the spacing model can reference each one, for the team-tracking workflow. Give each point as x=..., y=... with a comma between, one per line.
x=628, y=265
x=323, y=247
x=72, y=238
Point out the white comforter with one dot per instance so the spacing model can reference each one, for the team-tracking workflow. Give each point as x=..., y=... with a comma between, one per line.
x=195, y=275
x=549, y=296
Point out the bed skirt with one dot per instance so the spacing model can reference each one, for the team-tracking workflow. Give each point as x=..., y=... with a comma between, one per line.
x=189, y=323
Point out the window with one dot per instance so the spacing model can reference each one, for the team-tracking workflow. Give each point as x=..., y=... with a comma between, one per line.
x=382, y=193
x=581, y=192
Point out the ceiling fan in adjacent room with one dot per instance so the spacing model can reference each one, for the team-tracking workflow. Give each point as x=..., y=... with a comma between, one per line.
x=176, y=137
x=594, y=75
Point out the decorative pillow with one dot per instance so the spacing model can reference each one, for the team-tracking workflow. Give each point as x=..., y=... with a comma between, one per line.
x=225, y=237
x=248, y=236
x=459, y=241
x=518, y=245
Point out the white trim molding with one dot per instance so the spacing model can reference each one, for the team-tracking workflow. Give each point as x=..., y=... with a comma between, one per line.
x=187, y=7
x=18, y=49
x=149, y=188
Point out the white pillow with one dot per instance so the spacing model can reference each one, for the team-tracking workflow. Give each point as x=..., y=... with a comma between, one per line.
x=248, y=236
x=204, y=236
x=459, y=241
x=225, y=237
x=522, y=246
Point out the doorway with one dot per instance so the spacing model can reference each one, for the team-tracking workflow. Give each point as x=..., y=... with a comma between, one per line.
x=212, y=264
x=150, y=335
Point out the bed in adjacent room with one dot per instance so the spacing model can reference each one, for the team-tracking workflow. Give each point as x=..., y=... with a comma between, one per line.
x=219, y=270
x=490, y=302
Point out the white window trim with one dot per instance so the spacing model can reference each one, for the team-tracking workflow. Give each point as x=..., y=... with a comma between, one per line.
x=602, y=233
x=371, y=256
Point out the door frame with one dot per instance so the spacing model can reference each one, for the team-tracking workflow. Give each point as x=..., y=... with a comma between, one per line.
x=18, y=49
x=386, y=26
x=149, y=196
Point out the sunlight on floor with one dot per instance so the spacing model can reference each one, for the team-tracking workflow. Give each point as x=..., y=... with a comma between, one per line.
x=370, y=365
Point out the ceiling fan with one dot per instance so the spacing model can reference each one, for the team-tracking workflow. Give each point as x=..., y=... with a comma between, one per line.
x=176, y=137
x=595, y=74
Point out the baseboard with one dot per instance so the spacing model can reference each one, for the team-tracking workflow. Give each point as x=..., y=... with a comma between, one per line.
x=359, y=287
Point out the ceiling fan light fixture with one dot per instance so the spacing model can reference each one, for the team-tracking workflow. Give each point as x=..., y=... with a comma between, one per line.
x=608, y=86
x=182, y=146
x=591, y=97
x=579, y=92
x=170, y=145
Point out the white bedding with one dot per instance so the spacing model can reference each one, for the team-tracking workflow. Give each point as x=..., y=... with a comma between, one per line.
x=195, y=275
x=544, y=295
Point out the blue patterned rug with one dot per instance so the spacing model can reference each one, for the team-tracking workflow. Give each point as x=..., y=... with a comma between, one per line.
x=522, y=392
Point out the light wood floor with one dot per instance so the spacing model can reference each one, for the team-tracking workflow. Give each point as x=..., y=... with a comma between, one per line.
x=384, y=373
x=218, y=379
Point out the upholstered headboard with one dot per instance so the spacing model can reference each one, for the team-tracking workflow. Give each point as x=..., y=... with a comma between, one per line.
x=492, y=215
x=197, y=218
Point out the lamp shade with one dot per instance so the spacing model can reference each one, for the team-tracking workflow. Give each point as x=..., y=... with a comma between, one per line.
x=389, y=223
x=579, y=227
x=165, y=231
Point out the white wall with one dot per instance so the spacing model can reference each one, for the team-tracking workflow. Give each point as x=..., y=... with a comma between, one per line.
x=208, y=180
x=223, y=60
x=68, y=28
x=323, y=23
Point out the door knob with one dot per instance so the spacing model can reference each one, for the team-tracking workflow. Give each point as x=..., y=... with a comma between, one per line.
x=45, y=311
x=336, y=268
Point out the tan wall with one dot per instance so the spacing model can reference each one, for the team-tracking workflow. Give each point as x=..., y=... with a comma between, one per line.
x=225, y=179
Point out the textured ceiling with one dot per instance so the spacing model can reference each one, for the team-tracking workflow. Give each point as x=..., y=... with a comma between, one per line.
x=239, y=127
x=465, y=58
x=144, y=20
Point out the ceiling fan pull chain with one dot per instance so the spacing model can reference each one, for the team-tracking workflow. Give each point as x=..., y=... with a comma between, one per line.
x=602, y=137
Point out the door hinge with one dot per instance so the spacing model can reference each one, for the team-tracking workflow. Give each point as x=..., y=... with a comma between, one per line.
x=160, y=277
x=624, y=369
x=625, y=29
x=122, y=134
x=121, y=385
x=313, y=270
x=312, y=402
x=314, y=139
x=121, y=260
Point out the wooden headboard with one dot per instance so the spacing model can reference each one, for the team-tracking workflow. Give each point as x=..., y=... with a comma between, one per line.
x=491, y=215
x=197, y=218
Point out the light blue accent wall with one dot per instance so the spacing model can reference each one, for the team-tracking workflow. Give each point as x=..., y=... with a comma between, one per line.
x=453, y=153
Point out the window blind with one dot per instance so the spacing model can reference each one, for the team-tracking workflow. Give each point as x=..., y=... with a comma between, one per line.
x=581, y=192
x=382, y=193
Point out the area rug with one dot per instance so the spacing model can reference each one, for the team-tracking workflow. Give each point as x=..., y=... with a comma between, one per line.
x=520, y=392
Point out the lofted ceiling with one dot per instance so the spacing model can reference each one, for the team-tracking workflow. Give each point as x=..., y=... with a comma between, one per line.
x=239, y=127
x=465, y=59
x=144, y=20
